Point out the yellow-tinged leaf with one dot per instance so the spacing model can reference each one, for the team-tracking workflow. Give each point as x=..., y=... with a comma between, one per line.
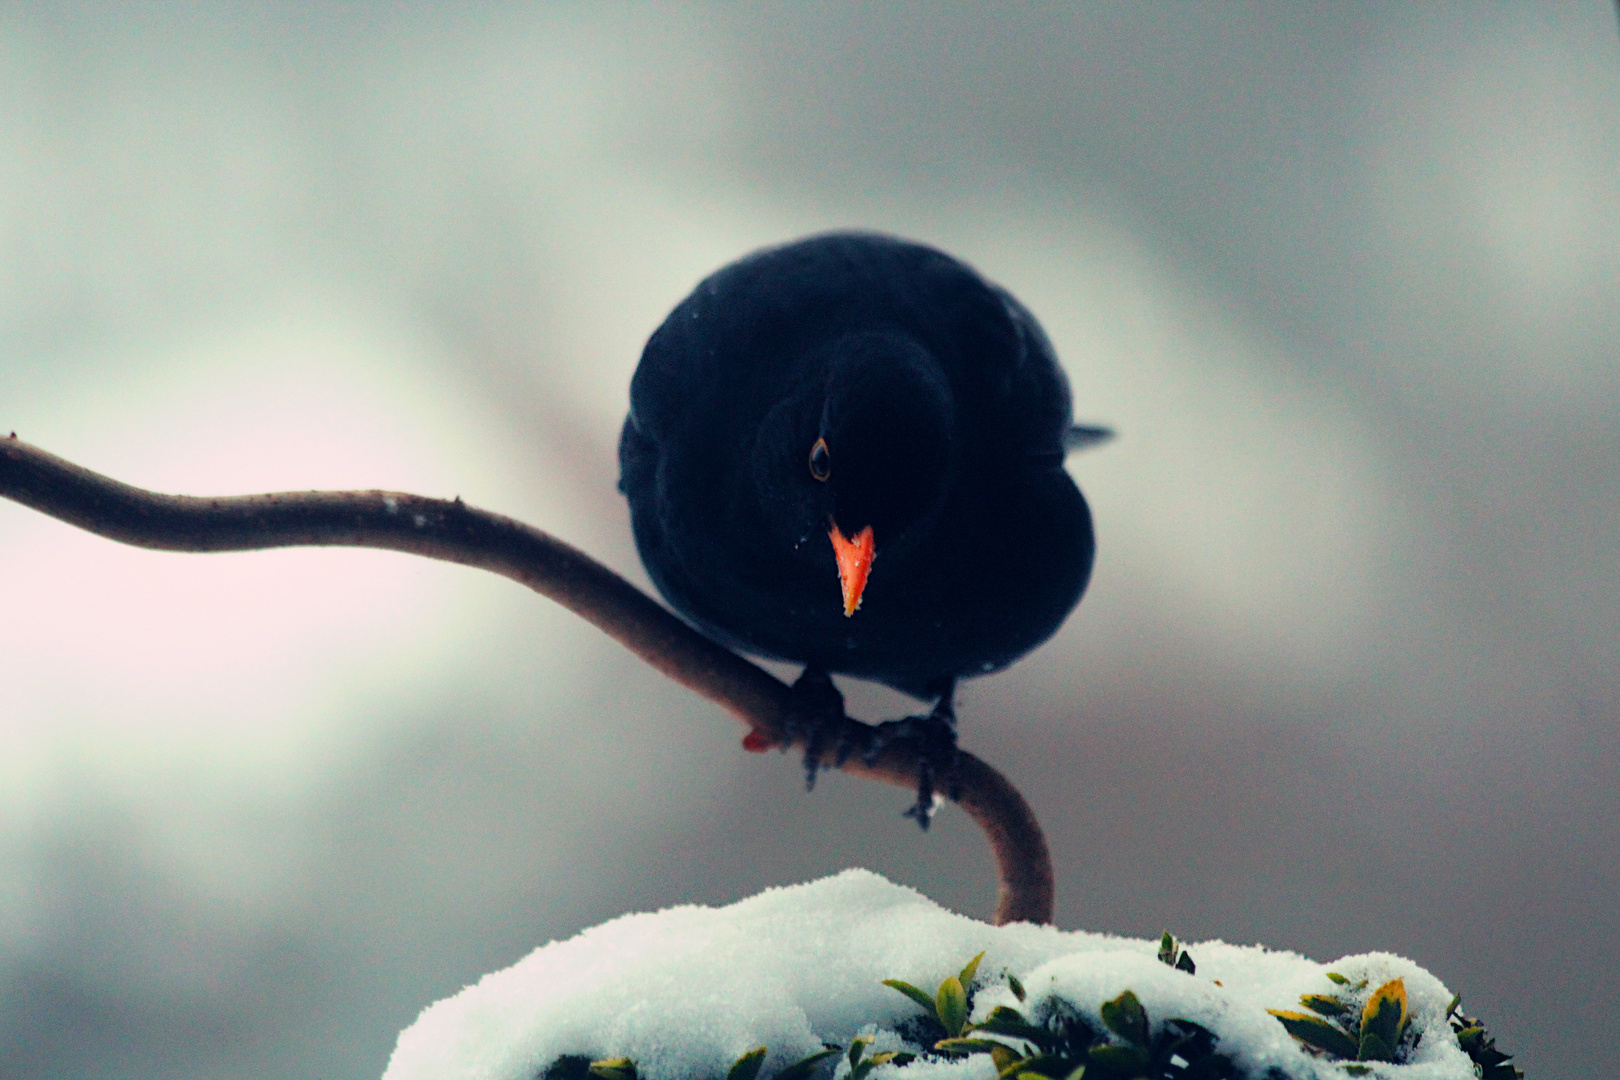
x=619, y=1068
x=1324, y=1004
x=1384, y=1017
x=747, y=1066
x=1316, y=1032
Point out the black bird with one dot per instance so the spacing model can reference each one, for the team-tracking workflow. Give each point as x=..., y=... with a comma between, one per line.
x=848, y=452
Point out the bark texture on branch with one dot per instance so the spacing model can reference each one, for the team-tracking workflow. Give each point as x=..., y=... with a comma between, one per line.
x=452, y=531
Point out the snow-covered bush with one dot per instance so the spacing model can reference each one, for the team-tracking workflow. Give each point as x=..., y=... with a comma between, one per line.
x=828, y=977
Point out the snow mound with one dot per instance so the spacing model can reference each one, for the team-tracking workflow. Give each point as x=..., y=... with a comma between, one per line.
x=686, y=991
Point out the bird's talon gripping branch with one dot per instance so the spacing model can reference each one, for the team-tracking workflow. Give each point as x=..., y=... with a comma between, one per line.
x=933, y=739
x=923, y=809
x=852, y=736
x=941, y=724
x=818, y=712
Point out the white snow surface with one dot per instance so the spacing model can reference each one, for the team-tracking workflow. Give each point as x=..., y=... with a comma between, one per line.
x=684, y=992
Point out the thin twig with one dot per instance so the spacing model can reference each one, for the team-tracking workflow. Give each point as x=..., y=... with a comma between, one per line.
x=455, y=532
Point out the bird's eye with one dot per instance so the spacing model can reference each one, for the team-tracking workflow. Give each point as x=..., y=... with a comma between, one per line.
x=820, y=461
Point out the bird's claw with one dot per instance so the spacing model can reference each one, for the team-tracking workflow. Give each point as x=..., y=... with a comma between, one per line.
x=934, y=736
x=818, y=717
x=818, y=714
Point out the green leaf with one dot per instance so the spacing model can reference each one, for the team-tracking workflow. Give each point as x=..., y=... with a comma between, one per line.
x=1373, y=1048
x=1129, y=1060
x=914, y=994
x=1335, y=977
x=1003, y=1056
x=1357, y=1070
x=1047, y=1065
x=1006, y=1014
x=1384, y=1019
x=1016, y=987
x=960, y=1045
x=1169, y=949
x=1315, y=1031
x=801, y=1070
x=859, y=1072
x=1007, y=1021
x=1322, y=1003
x=857, y=1046
x=972, y=969
x=568, y=1067
x=1125, y=1017
x=619, y=1068
x=951, y=1005
x=747, y=1067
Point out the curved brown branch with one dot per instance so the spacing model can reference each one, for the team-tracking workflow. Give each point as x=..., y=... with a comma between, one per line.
x=455, y=532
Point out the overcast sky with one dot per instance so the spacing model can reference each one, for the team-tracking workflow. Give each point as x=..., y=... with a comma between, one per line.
x=1342, y=276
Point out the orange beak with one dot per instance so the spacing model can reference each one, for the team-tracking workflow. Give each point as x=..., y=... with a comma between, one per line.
x=854, y=563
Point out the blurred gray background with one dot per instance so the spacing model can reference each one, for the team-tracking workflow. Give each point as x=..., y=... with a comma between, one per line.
x=1343, y=276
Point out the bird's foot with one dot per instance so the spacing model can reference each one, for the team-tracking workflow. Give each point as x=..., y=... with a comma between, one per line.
x=938, y=760
x=818, y=721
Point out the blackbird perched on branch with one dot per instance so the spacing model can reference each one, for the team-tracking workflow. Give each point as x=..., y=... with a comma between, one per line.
x=848, y=452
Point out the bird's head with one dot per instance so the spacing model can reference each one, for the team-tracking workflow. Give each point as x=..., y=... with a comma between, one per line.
x=858, y=456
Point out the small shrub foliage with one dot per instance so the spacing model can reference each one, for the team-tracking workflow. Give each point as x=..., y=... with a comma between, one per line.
x=1480, y=1047
x=1352, y=1025
x=1055, y=1041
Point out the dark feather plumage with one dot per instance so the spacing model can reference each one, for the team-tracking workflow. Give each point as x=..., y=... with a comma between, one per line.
x=942, y=418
